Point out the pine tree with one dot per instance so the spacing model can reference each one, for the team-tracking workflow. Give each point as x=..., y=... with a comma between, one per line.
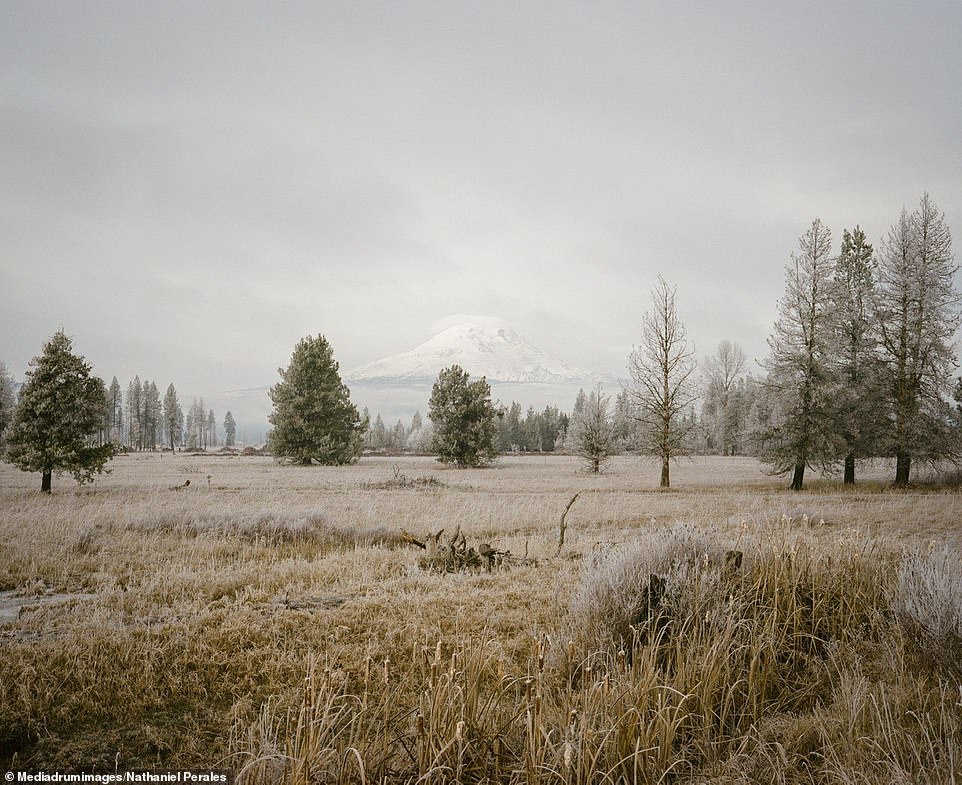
x=211, y=430
x=551, y=425
x=134, y=415
x=313, y=418
x=230, y=430
x=7, y=403
x=173, y=418
x=463, y=418
x=592, y=431
x=917, y=310
x=800, y=373
x=152, y=416
x=115, y=415
x=61, y=406
x=857, y=397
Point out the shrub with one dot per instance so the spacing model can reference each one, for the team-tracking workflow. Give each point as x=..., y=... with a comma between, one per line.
x=621, y=591
x=927, y=600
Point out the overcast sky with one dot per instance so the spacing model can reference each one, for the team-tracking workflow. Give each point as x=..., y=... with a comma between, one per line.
x=190, y=188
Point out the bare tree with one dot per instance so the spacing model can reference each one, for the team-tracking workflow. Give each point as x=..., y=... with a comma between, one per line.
x=662, y=370
x=592, y=431
x=726, y=364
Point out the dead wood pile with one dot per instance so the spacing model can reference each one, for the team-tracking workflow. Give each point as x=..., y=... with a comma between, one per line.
x=456, y=556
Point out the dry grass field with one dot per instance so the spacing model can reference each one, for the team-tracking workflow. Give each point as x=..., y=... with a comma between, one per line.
x=269, y=620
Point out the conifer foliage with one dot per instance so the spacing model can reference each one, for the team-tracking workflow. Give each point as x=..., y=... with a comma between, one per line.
x=800, y=377
x=58, y=416
x=464, y=419
x=314, y=420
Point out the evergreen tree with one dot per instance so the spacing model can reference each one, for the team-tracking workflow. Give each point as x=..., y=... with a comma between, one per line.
x=550, y=423
x=399, y=436
x=512, y=429
x=7, y=403
x=917, y=310
x=115, y=413
x=720, y=423
x=313, y=418
x=230, y=430
x=376, y=436
x=211, y=430
x=624, y=425
x=592, y=432
x=173, y=418
x=134, y=415
x=463, y=418
x=61, y=405
x=152, y=416
x=800, y=370
x=857, y=398
x=531, y=431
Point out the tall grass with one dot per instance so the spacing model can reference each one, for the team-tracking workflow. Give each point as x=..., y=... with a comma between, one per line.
x=267, y=623
x=726, y=671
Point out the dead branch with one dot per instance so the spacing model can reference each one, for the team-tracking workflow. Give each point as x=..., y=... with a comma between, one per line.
x=410, y=539
x=561, y=528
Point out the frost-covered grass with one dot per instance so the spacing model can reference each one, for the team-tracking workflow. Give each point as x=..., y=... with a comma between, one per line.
x=269, y=622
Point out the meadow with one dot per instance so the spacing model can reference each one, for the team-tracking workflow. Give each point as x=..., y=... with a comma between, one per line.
x=271, y=620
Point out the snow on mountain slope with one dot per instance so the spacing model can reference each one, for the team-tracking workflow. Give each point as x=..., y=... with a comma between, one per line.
x=482, y=346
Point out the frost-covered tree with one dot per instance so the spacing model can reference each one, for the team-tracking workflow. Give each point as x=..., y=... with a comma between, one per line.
x=510, y=430
x=152, y=416
x=195, y=427
x=917, y=311
x=721, y=414
x=135, y=415
x=115, y=413
x=314, y=420
x=399, y=436
x=230, y=430
x=211, y=429
x=800, y=371
x=60, y=410
x=859, y=413
x=7, y=403
x=463, y=418
x=420, y=439
x=375, y=438
x=592, y=432
x=662, y=370
x=173, y=418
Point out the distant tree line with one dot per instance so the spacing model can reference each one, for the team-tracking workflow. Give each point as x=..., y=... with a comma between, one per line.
x=141, y=419
x=860, y=365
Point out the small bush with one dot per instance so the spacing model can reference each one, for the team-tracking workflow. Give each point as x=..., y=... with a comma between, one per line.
x=622, y=591
x=927, y=599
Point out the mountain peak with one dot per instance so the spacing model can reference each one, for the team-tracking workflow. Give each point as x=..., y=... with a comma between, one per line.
x=482, y=346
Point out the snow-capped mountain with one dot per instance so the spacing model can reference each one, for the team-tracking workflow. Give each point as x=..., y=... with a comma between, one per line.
x=482, y=346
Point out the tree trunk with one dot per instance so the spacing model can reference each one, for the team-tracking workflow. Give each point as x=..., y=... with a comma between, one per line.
x=849, y=469
x=45, y=483
x=903, y=465
x=799, y=476
x=665, y=478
